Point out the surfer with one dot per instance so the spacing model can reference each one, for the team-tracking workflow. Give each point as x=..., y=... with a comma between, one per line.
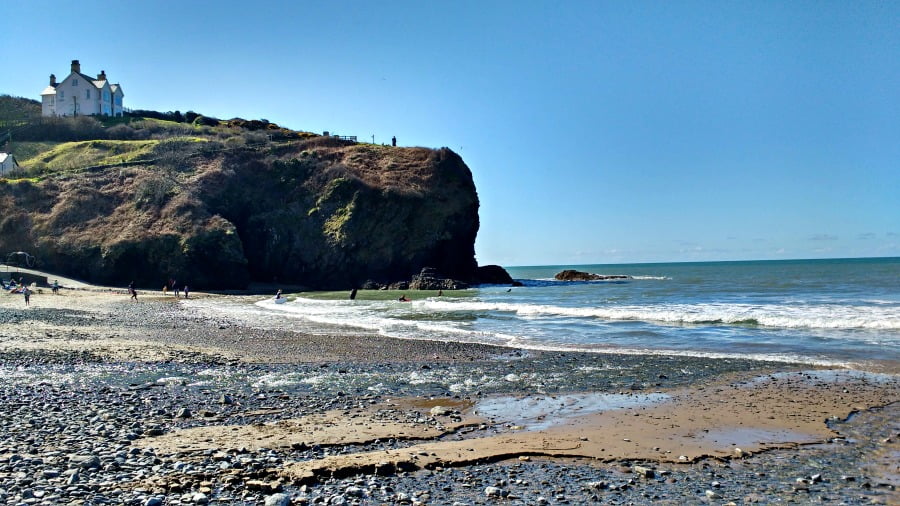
x=353, y=294
x=278, y=294
x=403, y=298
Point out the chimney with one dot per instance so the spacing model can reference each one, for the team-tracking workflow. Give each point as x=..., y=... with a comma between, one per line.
x=101, y=76
x=52, y=79
x=76, y=67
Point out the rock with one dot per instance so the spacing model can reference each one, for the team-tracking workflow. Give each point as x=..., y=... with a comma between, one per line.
x=354, y=491
x=226, y=399
x=643, y=472
x=712, y=495
x=494, y=492
x=494, y=275
x=278, y=499
x=85, y=461
x=429, y=279
x=183, y=413
x=441, y=411
x=573, y=275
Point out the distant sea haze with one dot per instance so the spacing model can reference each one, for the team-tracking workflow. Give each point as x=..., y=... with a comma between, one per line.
x=838, y=312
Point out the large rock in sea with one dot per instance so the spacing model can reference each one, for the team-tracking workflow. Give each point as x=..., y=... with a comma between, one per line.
x=323, y=213
x=494, y=275
x=573, y=275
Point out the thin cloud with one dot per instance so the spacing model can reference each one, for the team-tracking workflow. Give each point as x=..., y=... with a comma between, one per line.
x=866, y=236
x=823, y=237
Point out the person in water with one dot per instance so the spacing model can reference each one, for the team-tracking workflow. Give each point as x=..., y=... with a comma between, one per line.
x=278, y=294
x=403, y=298
x=353, y=294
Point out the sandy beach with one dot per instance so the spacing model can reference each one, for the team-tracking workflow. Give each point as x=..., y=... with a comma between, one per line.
x=107, y=400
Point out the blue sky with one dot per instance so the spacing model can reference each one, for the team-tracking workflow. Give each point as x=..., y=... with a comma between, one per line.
x=597, y=132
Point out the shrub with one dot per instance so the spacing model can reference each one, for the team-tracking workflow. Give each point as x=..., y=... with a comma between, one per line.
x=203, y=120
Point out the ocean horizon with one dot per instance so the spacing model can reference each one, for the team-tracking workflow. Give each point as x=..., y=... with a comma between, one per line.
x=843, y=312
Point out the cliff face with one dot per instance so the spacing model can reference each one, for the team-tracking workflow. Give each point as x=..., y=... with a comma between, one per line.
x=320, y=213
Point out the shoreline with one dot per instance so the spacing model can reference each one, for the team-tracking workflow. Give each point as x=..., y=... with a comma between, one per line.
x=86, y=346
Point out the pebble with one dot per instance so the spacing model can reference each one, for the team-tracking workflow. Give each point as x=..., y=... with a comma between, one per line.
x=70, y=442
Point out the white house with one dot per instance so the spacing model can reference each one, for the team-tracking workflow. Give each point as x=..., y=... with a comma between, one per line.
x=81, y=95
x=7, y=163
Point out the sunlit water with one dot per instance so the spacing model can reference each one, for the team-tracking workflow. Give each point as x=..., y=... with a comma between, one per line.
x=814, y=311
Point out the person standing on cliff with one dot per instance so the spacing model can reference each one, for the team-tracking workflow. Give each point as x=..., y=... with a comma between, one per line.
x=394, y=141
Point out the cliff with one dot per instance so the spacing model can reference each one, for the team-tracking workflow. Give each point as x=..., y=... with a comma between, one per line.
x=220, y=208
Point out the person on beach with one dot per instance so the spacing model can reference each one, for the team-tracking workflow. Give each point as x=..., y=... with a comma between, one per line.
x=132, y=291
x=186, y=291
x=176, y=290
x=27, y=293
x=56, y=287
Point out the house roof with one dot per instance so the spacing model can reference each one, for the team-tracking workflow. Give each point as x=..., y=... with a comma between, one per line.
x=49, y=90
x=4, y=156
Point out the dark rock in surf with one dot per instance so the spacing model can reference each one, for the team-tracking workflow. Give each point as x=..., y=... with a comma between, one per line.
x=494, y=275
x=573, y=275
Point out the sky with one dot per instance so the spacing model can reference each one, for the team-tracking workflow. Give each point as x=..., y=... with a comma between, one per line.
x=596, y=132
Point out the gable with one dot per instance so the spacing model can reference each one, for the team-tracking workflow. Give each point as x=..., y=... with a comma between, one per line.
x=84, y=82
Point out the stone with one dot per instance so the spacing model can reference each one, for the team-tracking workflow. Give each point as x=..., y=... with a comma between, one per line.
x=278, y=499
x=644, y=472
x=494, y=492
x=85, y=461
x=440, y=411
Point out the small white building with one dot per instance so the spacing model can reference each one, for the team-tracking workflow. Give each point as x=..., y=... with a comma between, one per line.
x=81, y=95
x=7, y=163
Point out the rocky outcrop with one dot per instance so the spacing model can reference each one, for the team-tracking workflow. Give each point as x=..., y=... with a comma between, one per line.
x=573, y=275
x=322, y=213
x=429, y=279
x=494, y=275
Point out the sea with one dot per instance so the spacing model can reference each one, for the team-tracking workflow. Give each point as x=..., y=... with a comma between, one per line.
x=837, y=312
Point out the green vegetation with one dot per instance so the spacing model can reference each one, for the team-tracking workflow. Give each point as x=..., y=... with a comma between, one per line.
x=74, y=155
x=15, y=111
x=27, y=150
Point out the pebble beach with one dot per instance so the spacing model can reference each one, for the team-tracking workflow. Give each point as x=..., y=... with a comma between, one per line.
x=110, y=401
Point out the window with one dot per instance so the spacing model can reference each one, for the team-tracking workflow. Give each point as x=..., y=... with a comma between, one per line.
x=74, y=82
x=87, y=93
x=62, y=95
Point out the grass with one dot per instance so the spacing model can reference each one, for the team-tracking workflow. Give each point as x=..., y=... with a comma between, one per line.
x=27, y=150
x=21, y=180
x=73, y=155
